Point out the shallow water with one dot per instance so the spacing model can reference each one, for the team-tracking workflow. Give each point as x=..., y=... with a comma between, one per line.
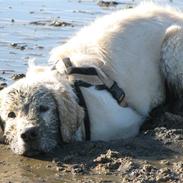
x=15, y=27
x=36, y=41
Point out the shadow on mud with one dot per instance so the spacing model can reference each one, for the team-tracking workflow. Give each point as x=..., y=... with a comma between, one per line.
x=159, y=145
x=159, y=139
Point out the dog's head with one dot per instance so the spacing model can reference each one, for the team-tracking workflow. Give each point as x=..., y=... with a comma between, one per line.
x=35, y=116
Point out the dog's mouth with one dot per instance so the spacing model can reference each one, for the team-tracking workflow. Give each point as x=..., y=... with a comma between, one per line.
x=25, y=149
x=32, y=147
x=30, y=150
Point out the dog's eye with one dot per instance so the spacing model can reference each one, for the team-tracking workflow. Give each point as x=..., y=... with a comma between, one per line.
x=43, y=108
x=11, y=115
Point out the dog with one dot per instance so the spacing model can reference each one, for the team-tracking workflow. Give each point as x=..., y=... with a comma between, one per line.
x=102, y=84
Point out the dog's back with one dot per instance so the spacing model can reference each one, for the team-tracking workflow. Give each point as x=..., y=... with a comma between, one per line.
x=126, y=45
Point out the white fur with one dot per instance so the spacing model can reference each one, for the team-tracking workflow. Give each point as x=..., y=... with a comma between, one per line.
x=126, y=45
x=108, y=119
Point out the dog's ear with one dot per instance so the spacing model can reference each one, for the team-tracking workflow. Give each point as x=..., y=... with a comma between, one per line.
x=70, y=113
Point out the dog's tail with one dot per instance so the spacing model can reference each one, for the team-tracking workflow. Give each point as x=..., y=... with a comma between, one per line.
x=171, y=63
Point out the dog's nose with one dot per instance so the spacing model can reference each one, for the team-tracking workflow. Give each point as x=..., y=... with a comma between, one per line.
x=29, y=134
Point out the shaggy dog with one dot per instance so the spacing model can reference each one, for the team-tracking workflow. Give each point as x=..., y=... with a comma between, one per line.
x=42, y=110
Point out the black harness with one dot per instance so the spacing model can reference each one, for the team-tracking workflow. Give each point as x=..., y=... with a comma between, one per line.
x=107, y=84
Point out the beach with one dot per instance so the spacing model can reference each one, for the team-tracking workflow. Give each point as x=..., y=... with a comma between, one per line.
x=29, y=30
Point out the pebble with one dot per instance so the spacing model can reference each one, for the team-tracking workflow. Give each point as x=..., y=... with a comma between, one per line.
x=58, y=23
x=3, y=85
x=48, y=166
x=55, y=23
x=107, y=3
x=17, y=76
x=165, y=162
x=77, y=170
x=19, y=46
x=60, y=169
x=147, y=168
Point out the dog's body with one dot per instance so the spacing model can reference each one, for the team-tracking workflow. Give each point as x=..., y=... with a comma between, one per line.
x=125, y=45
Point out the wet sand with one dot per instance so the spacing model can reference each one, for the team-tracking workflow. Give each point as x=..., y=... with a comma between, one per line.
x=31, y=29
x=155, y=155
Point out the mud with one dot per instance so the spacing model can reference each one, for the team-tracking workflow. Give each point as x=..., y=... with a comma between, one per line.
x=2, y=85
x=56, y=23
x=17, y=76
x=155, y=155
x=107, y=4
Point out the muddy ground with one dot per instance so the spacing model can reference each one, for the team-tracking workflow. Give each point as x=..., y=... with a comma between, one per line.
x=155, y=155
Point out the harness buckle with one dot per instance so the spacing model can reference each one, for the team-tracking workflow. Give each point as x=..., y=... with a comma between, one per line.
x=95, y=76
x=117, y=93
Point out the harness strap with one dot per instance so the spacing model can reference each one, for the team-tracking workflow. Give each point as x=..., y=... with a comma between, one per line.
x=96, y=77
x=91, y=76
x=82, y=103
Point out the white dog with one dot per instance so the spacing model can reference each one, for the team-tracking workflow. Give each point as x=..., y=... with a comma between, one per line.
x=123, y=49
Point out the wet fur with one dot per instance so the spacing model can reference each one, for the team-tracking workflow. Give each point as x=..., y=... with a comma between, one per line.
x=127, y=46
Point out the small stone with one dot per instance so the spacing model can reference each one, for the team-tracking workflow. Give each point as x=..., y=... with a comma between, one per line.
x=3, y=85
x=55, y=23
x=147, y=168
x=20, y=46
x=101, y=159
x=58, y=23
x=13, y=44
x=48, y=166
x=165, y=171
x=40, y=47
x=55, y=160
x=178, y=167
x=17, y=76
x=165, y=162
x=59, y=169
x=2, y=79
x=77, y=170
x=107, y=4
x=114, y=165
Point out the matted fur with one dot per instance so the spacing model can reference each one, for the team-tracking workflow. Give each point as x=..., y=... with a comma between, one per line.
x=126, y=45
